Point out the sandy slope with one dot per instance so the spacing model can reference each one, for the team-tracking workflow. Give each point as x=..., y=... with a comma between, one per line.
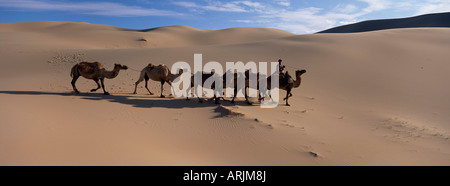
x=69, y=35
x=377, y=98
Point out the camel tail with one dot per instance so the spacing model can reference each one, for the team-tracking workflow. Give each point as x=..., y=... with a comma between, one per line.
x=74, y=71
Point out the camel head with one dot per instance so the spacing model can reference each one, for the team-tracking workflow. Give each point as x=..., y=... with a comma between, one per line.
x=299, y=73
x=181, y=71
x=120, y=66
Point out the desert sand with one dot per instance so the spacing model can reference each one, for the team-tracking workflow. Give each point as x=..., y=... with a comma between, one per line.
x=373, y=98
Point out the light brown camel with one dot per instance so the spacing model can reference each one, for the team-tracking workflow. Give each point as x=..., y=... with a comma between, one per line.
x=159, y=73
x=96, y=72
x=288, y=83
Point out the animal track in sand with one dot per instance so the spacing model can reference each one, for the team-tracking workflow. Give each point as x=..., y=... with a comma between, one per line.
x=313, y=154
x=68, y=58
x=304, y=111
x=403, y=130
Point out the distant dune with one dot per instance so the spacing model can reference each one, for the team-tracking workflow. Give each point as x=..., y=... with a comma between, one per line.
x=85, y=35
x=429, y=20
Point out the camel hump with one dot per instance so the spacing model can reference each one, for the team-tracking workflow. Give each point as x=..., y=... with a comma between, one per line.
x=92, y=64
x=162, y=69
x=290, y=81
x=89, y=67
x=150, y=66
x=289, y=78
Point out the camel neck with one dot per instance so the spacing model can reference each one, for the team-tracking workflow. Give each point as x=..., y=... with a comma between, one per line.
x=111, y=74
x=298, y=82
x=172, y=77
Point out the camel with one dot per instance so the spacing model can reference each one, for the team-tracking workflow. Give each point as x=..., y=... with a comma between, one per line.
x=235, y=79
x=159, y=73
x=285, y=84
x=246, y=85
x=205, y=76
x=288, y=84
x=96, y=72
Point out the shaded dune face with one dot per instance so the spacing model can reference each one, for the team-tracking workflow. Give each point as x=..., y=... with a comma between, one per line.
x=423, y=21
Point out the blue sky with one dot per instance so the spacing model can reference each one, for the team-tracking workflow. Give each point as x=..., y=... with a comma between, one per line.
x=296, y=16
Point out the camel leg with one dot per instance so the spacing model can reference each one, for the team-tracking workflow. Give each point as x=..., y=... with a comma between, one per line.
x=216, y=99
x=74, y=80
x=246, y=97
x=234, y=96
x=98, y=85
x=290, y=95
x=141, y=78
x=103, y=86
x=260, y=97
x=264, y=95
x=287, y=96
x=146, y=86
x=162, y=89
x=170, y=84
x=135, y=87
x=187, y=95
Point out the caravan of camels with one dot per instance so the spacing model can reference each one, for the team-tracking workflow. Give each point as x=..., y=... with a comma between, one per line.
x=161, y=73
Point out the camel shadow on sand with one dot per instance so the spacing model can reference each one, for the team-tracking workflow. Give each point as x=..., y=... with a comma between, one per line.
x=129, y=99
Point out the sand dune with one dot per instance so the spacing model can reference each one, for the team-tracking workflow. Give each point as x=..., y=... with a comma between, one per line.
x=71, y=35
x=376, y=98
x=429, y=20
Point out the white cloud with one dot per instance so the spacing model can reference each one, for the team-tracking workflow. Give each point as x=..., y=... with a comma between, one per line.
x=243, y=21
x=218, y=6
x=300, y=21
x=375, y=5
x=307, y=20
x=434, y=6
x=186, y=4
x=286, y=3
x=312, y=19
x=348, y=8
x=261, y=21
x=281, y=13
x=250, y=4
x=93, y=8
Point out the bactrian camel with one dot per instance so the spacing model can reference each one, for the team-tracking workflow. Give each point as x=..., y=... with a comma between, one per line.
x=235, y=79
x=206, y=76
x=160, y=73
x=96, y=72
x=288, y=84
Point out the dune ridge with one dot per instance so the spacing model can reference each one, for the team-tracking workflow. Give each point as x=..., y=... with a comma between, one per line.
x=92, y=36
x=421, y=21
